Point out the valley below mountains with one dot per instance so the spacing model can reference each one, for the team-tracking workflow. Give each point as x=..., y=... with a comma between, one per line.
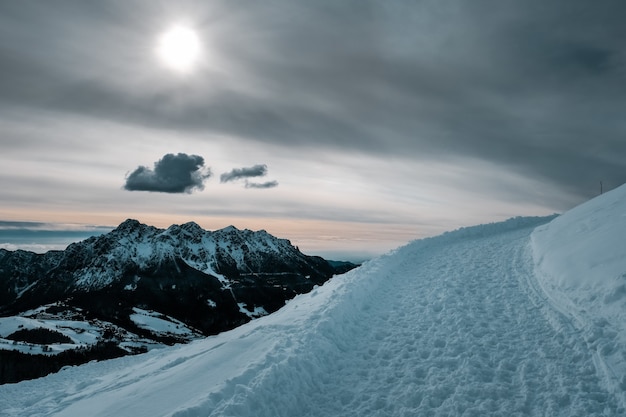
x=139, y=287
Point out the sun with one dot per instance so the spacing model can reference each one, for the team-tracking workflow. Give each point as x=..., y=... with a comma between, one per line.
x=179, y=48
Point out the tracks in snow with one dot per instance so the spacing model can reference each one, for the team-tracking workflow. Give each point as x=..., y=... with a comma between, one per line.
x=456, y=328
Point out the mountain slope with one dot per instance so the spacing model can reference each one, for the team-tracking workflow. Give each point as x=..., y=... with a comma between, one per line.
x=453, y=325
x=139, y=286
x=129, y=262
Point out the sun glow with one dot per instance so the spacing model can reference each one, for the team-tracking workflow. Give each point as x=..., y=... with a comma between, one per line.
x=179, y=48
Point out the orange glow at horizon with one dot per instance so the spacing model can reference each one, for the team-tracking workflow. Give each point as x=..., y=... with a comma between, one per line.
x=309, y=235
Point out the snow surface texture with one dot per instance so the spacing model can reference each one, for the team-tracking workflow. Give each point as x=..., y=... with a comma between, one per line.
x=457, y=325
x=581, y=266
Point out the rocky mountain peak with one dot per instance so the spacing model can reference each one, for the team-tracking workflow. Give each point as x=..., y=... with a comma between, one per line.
x=228, y=230
x=187, y=231
x=131, y=227
x=128, y=225
x=192, y=227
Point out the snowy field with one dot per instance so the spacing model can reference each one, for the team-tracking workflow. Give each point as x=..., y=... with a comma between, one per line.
x=80, y=333
x=520, y=318
x=160, y=324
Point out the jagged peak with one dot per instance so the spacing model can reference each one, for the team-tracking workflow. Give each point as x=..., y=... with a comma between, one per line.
x=186, y=226
x=129, y=224
x=193, y=232
x=233, y=229
x=192, y=227
x=186, y=229
x=229, y=229
x=245, y=233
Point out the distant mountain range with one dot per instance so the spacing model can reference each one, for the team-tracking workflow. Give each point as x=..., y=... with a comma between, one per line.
x=139, y=287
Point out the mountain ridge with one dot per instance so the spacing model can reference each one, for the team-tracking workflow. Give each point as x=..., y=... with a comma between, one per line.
x=205, y=281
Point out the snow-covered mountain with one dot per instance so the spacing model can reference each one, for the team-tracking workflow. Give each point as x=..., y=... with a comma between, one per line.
x=140, y=286
x=520, y=318
x=100, y=261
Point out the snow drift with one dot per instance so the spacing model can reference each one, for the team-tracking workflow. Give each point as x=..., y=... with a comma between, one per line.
x=490, y=320
x=581, y=266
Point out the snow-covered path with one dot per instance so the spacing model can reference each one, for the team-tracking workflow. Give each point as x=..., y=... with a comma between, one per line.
x=456, y=329
x=456, y=325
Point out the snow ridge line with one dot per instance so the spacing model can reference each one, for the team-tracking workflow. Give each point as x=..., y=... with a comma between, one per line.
x=597, y=336
x=558, y=316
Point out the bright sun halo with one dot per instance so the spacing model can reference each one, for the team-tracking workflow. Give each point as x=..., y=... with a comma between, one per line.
x=179, y=48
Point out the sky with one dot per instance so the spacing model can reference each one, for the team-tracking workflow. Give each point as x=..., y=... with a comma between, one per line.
x=348, y=127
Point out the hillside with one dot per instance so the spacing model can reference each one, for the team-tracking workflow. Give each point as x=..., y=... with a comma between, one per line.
x=521, y=318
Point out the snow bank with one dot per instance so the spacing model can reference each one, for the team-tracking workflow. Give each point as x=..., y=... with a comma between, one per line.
x=581, y=265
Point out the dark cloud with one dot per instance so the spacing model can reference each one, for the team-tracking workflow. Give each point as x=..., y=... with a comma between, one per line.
x=268, y=184
x=258, y=170
x=179, y=173
x=246, y=172
x=534, y=86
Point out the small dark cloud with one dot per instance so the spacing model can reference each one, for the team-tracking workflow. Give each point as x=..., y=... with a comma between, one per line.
x=179, y=173
x=259, y=170
x=268, y=184
x=246, y=172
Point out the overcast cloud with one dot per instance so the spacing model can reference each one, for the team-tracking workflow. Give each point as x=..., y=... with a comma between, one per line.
x=179, y=173
x=536, y=86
